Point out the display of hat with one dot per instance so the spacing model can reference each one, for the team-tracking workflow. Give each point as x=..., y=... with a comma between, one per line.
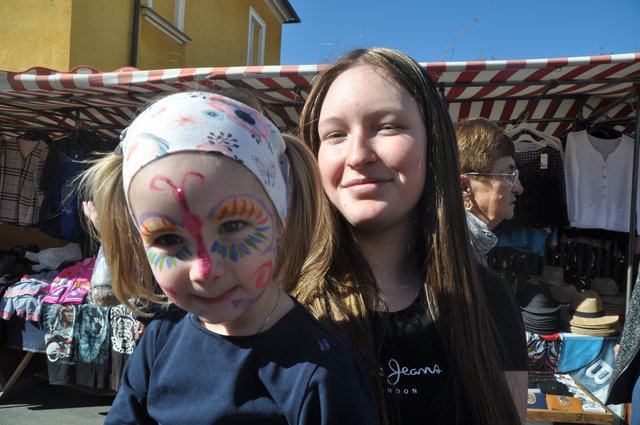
x=585, y=315
x=609, y=331
x=605, y=286
x=563, y=292
x=540, y=311
x=609, y=292
x=550, y=275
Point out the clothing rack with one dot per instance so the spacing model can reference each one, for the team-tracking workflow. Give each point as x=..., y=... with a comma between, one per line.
x=595, y=118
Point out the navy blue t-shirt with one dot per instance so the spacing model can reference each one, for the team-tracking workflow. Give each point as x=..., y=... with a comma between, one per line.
x=297, y=372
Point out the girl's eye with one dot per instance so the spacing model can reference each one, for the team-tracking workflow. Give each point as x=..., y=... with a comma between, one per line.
x=232, y=226
x=167, y=240
x=390, y=127
x=333, y=137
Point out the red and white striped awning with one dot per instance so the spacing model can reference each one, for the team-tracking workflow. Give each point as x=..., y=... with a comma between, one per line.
x=554, y=94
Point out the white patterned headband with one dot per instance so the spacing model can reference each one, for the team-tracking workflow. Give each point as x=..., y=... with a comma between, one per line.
x=207, y=122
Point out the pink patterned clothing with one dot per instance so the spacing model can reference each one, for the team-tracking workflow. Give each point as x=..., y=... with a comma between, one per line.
x=72, y=284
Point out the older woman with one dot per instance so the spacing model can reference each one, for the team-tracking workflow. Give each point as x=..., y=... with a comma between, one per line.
x=489, y=179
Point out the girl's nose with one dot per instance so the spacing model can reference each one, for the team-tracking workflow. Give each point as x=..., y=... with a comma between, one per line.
x=360, y=150
x=206, y=267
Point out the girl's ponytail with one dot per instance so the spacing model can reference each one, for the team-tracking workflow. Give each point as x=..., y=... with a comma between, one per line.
x=132, y=279
x=304, y=212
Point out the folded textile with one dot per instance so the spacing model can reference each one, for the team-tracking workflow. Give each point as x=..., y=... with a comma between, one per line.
x=24, y=298
x=52, y=258
x=72, y=284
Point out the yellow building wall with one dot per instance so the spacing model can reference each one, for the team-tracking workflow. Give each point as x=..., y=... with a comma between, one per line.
x=101, y=33
x=220, y=34
x=34, y=33
x=63, y=34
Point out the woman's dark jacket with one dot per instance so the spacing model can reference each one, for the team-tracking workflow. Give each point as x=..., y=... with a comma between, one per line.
x=625, y=371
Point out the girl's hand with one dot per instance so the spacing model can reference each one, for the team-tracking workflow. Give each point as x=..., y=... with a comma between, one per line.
x=139, y=330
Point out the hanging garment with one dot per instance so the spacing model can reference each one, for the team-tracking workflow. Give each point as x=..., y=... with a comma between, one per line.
x=527, y=138
x=543, y=202
x=58, y=325
x=123, y=341
x=21, y=195
x=93, y=348
x=60, y=218
x=544, y=351
x=598, y=175
x=528, y=240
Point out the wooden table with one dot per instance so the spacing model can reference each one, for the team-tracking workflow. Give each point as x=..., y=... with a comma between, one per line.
x=539, y=415
x=548, y=415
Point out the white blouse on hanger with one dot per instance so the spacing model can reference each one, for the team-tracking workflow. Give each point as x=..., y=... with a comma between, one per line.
x=598, y=174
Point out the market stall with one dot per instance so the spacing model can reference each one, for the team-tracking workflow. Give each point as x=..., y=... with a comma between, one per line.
x=553, y=97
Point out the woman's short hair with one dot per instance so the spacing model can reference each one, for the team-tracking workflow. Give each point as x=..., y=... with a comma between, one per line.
x=481, y=143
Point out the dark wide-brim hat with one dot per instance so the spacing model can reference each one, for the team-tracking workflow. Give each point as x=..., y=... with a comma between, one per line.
x=541, y=324
x=609, y=292
x=550, y=276
x=605, y=286
x=536, y=299
x=614, y=308
x=563, y=292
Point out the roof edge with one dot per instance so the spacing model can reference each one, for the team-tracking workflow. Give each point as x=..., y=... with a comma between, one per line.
x=284, y=11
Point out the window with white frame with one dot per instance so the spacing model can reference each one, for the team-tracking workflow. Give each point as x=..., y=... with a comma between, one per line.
x=178, y=14
x=255, y=47
x=175, y=28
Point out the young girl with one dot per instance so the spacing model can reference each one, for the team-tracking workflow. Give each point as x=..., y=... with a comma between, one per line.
x=217, y=209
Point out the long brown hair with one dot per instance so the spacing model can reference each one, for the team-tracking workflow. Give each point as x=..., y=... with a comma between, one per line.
x=338, y=284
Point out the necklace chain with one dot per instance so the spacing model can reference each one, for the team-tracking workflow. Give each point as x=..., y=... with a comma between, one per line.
x=270, y=313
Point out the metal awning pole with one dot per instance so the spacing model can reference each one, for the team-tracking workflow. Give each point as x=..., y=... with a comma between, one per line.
x=634, y=195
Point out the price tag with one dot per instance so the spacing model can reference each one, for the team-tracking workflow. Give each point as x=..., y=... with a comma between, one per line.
x=544, y=161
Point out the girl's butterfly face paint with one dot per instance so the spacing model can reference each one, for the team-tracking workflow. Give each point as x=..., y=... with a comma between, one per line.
x=209, y=231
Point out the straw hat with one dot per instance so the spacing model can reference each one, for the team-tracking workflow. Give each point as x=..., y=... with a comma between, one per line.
x=586, y=314
x=550, y=276
x=613, y=330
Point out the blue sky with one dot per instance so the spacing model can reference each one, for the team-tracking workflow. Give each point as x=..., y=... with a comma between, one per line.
x=462, y=30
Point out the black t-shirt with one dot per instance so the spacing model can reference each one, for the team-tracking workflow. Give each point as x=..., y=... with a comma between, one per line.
x=413, y=364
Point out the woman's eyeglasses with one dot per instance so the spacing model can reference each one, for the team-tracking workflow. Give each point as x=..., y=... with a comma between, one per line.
x=510, y=177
